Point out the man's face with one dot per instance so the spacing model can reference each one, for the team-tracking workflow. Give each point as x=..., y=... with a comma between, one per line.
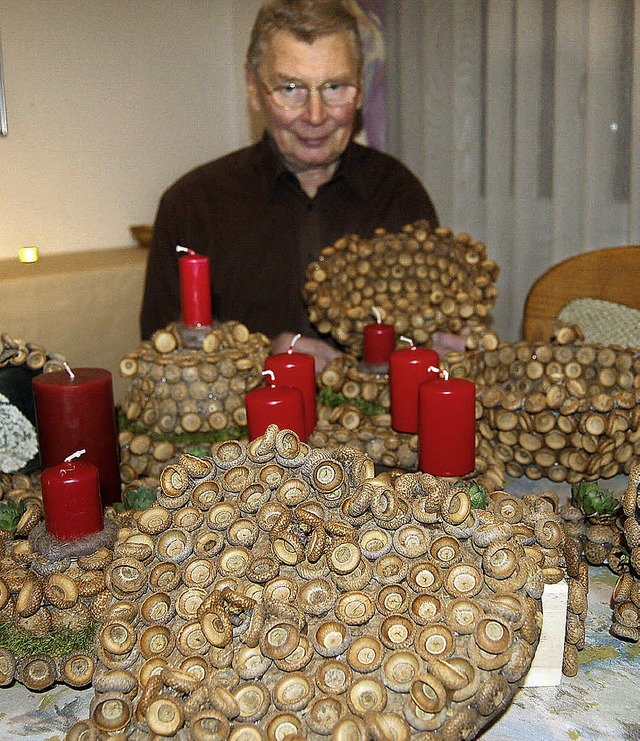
x=315, y=135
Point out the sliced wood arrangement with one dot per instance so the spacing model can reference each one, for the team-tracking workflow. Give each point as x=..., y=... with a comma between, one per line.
x=175, y=390
x=563, y=410
x=421, y=281
x=18, y=352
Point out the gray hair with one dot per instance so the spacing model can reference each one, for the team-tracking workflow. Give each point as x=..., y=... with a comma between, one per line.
x=306, y=20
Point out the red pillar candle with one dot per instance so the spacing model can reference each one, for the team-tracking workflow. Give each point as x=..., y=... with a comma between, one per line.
x=71, y=499
x=195, y=289
x=297, y=370
x=408, y=368
x=279, y=405
x=447, y=426
x=74, y=410
x=379, y=340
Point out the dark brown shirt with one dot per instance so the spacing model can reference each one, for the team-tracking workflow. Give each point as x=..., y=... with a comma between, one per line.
x=248, y=213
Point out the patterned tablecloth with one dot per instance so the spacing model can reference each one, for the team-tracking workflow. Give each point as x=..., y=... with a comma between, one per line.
x=599, y=703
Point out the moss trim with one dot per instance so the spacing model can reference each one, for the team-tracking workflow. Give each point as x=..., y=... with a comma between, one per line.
x=56, y=644
x=331, y=398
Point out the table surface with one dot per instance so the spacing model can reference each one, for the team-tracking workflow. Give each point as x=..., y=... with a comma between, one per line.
x=600, y=702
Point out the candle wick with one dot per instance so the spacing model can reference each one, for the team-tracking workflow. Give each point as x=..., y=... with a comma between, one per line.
x=377, y=314
x=77, y=454
x=407, y=339
x=445, y=374
x=72, y=375
x=180, y=248
x=271, y=374
x=434, y=369
x=295, y=338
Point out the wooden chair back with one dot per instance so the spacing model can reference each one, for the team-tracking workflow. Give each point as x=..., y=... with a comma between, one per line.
x=610, y=274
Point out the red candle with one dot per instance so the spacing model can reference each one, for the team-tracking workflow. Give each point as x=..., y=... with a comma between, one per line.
x=74, y=410
x=447, y=427
x=71, y=499
x=408, y=368
x=297, y=370
x=195, y=289
x=279, y=405
x=379, y=341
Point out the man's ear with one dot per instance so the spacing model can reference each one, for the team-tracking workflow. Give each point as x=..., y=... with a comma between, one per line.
x=360, y=98
x=253, y=93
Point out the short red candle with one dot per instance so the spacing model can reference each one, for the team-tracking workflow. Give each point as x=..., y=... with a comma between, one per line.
x=71, y=499
x=79, y=412
x=408, y=368
x=278, y=405
x=447, y=427
x=379, y=341
x=195, y=289
x=297, y=370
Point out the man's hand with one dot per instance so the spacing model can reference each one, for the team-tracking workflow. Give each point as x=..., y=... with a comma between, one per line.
x=444, y=342
x=322, y=351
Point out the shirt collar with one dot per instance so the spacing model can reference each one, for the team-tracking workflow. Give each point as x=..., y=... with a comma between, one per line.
x=349, y=168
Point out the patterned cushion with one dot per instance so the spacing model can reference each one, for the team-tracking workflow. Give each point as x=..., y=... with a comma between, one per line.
x=604, y=322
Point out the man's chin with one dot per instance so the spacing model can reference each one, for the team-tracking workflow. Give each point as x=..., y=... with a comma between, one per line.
x=310, y=159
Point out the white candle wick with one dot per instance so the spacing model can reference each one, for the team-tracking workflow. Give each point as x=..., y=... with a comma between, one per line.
x=294, y=339
x=376, y=312
x=180, y=248
x=434, y=369
x=77, y=454
x=271, y=374
x=445, y=374
x=72, y=375
x=407, y=339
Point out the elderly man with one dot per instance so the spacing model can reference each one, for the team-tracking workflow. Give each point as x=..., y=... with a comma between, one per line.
x=264, y=212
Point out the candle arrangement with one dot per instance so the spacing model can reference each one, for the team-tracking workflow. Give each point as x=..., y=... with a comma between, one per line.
x=71, y=499
x=75, y=410
x=195, y=288
x=408, y=368
x=446, y=426
x=297, y=370
x=379, y=339
x=275, y=404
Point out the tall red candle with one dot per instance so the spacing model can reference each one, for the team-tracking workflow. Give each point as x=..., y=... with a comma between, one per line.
x=195, y=289
x=279, y=405
x=408, y=368
x=71, y=499
x=447, y=427
x=74, y=410
x=379, y=340
x=297, y=370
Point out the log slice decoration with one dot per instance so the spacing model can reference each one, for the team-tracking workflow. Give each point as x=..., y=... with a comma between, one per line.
x=562, y=410
x=420, y=280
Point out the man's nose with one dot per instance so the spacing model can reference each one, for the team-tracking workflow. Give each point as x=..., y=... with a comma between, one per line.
x=315, y=107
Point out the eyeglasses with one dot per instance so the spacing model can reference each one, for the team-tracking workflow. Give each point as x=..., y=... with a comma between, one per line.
x=296, y=94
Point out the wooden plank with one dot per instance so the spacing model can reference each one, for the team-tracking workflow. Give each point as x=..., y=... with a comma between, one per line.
x=546, y=668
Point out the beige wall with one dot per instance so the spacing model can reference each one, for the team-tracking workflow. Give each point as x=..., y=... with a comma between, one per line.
x=83, y=305
x=108, y=102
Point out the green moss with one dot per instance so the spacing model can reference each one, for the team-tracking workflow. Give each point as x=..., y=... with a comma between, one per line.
x=331, y=398
x=57, y=644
